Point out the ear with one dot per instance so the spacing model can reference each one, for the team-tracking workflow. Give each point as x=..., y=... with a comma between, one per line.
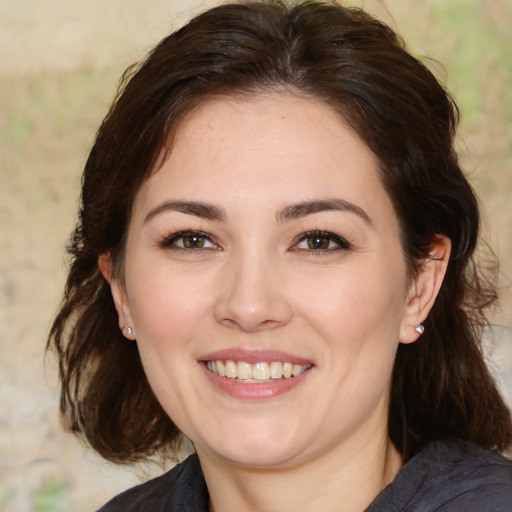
x=424, y=289
x=106, y=267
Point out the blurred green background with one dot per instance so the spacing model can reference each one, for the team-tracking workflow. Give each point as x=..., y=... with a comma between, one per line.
x=59, y=66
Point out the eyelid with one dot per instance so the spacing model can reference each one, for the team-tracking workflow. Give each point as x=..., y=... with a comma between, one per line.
x=168, y=241
x=341, y=242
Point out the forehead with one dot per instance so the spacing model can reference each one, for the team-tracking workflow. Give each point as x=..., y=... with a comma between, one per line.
x=276, y=148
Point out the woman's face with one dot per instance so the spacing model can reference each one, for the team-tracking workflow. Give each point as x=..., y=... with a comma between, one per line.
x=266, y=244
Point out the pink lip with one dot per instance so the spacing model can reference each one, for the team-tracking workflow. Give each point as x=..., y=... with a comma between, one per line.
x=253, y=356
x=254, y=391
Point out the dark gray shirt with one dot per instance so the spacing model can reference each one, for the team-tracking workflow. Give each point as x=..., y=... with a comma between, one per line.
x=445, y=476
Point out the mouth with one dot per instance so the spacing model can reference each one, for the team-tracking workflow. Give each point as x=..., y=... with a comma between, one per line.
x=259, y=372
x=247, y=374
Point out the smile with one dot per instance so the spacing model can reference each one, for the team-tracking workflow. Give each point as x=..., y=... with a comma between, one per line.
x=257, y=372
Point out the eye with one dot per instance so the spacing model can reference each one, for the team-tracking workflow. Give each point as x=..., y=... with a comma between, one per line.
x=320, y=242
x=189, y=240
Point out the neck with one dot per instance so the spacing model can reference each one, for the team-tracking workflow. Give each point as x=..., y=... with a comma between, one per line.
x=345, y=478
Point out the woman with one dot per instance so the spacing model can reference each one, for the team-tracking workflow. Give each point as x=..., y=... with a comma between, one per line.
x=274, y=258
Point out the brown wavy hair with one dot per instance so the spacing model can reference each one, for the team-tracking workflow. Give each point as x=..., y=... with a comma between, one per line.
x=360, y=67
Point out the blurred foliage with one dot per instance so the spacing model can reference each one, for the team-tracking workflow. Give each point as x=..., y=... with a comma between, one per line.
x=51, y=499
x=473, y=41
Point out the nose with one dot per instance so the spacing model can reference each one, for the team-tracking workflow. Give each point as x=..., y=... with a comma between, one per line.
x=252, y=296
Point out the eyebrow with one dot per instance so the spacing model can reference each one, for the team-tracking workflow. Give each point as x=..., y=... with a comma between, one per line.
x=295, y=211
x=202, y=210
x=286, y=214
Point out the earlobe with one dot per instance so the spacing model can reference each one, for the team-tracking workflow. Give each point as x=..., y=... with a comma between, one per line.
x=424, y=290
x=117, y=290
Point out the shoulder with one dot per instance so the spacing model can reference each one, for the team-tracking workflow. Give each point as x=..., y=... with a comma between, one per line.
x=180, y=489
x=450, y=476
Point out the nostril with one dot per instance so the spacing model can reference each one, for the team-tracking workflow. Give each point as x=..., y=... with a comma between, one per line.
x=248, y=326
x=253, y=319
x=228, y=322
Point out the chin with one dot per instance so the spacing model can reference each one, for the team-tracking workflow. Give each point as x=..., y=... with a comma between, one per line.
x=254, y=457
x=257, y=450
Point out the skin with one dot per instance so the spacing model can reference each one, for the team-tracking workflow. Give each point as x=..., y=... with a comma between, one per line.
x=253, y=283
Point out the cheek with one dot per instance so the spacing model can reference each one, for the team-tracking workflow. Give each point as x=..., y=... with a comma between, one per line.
x=167, y=310
x=356, y=305
x=166, y=306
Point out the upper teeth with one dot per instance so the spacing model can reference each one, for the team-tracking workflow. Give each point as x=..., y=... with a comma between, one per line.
x=255, y=372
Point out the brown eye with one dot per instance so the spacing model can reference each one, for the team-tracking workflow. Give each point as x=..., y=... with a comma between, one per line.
x=320, y=242
x=189, y=240
x=193, y=241
x=316, y=243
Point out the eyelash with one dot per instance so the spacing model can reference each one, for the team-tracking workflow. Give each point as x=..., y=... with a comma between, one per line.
x=169, y=242
x=341, y=243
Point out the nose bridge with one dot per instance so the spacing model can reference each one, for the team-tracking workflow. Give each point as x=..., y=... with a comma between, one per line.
x=252, y=296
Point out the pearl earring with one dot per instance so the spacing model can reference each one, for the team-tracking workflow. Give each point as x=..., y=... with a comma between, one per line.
x=129, y=330
x=420, y=329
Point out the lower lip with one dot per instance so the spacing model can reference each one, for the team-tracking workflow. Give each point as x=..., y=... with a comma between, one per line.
x=254, y=390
